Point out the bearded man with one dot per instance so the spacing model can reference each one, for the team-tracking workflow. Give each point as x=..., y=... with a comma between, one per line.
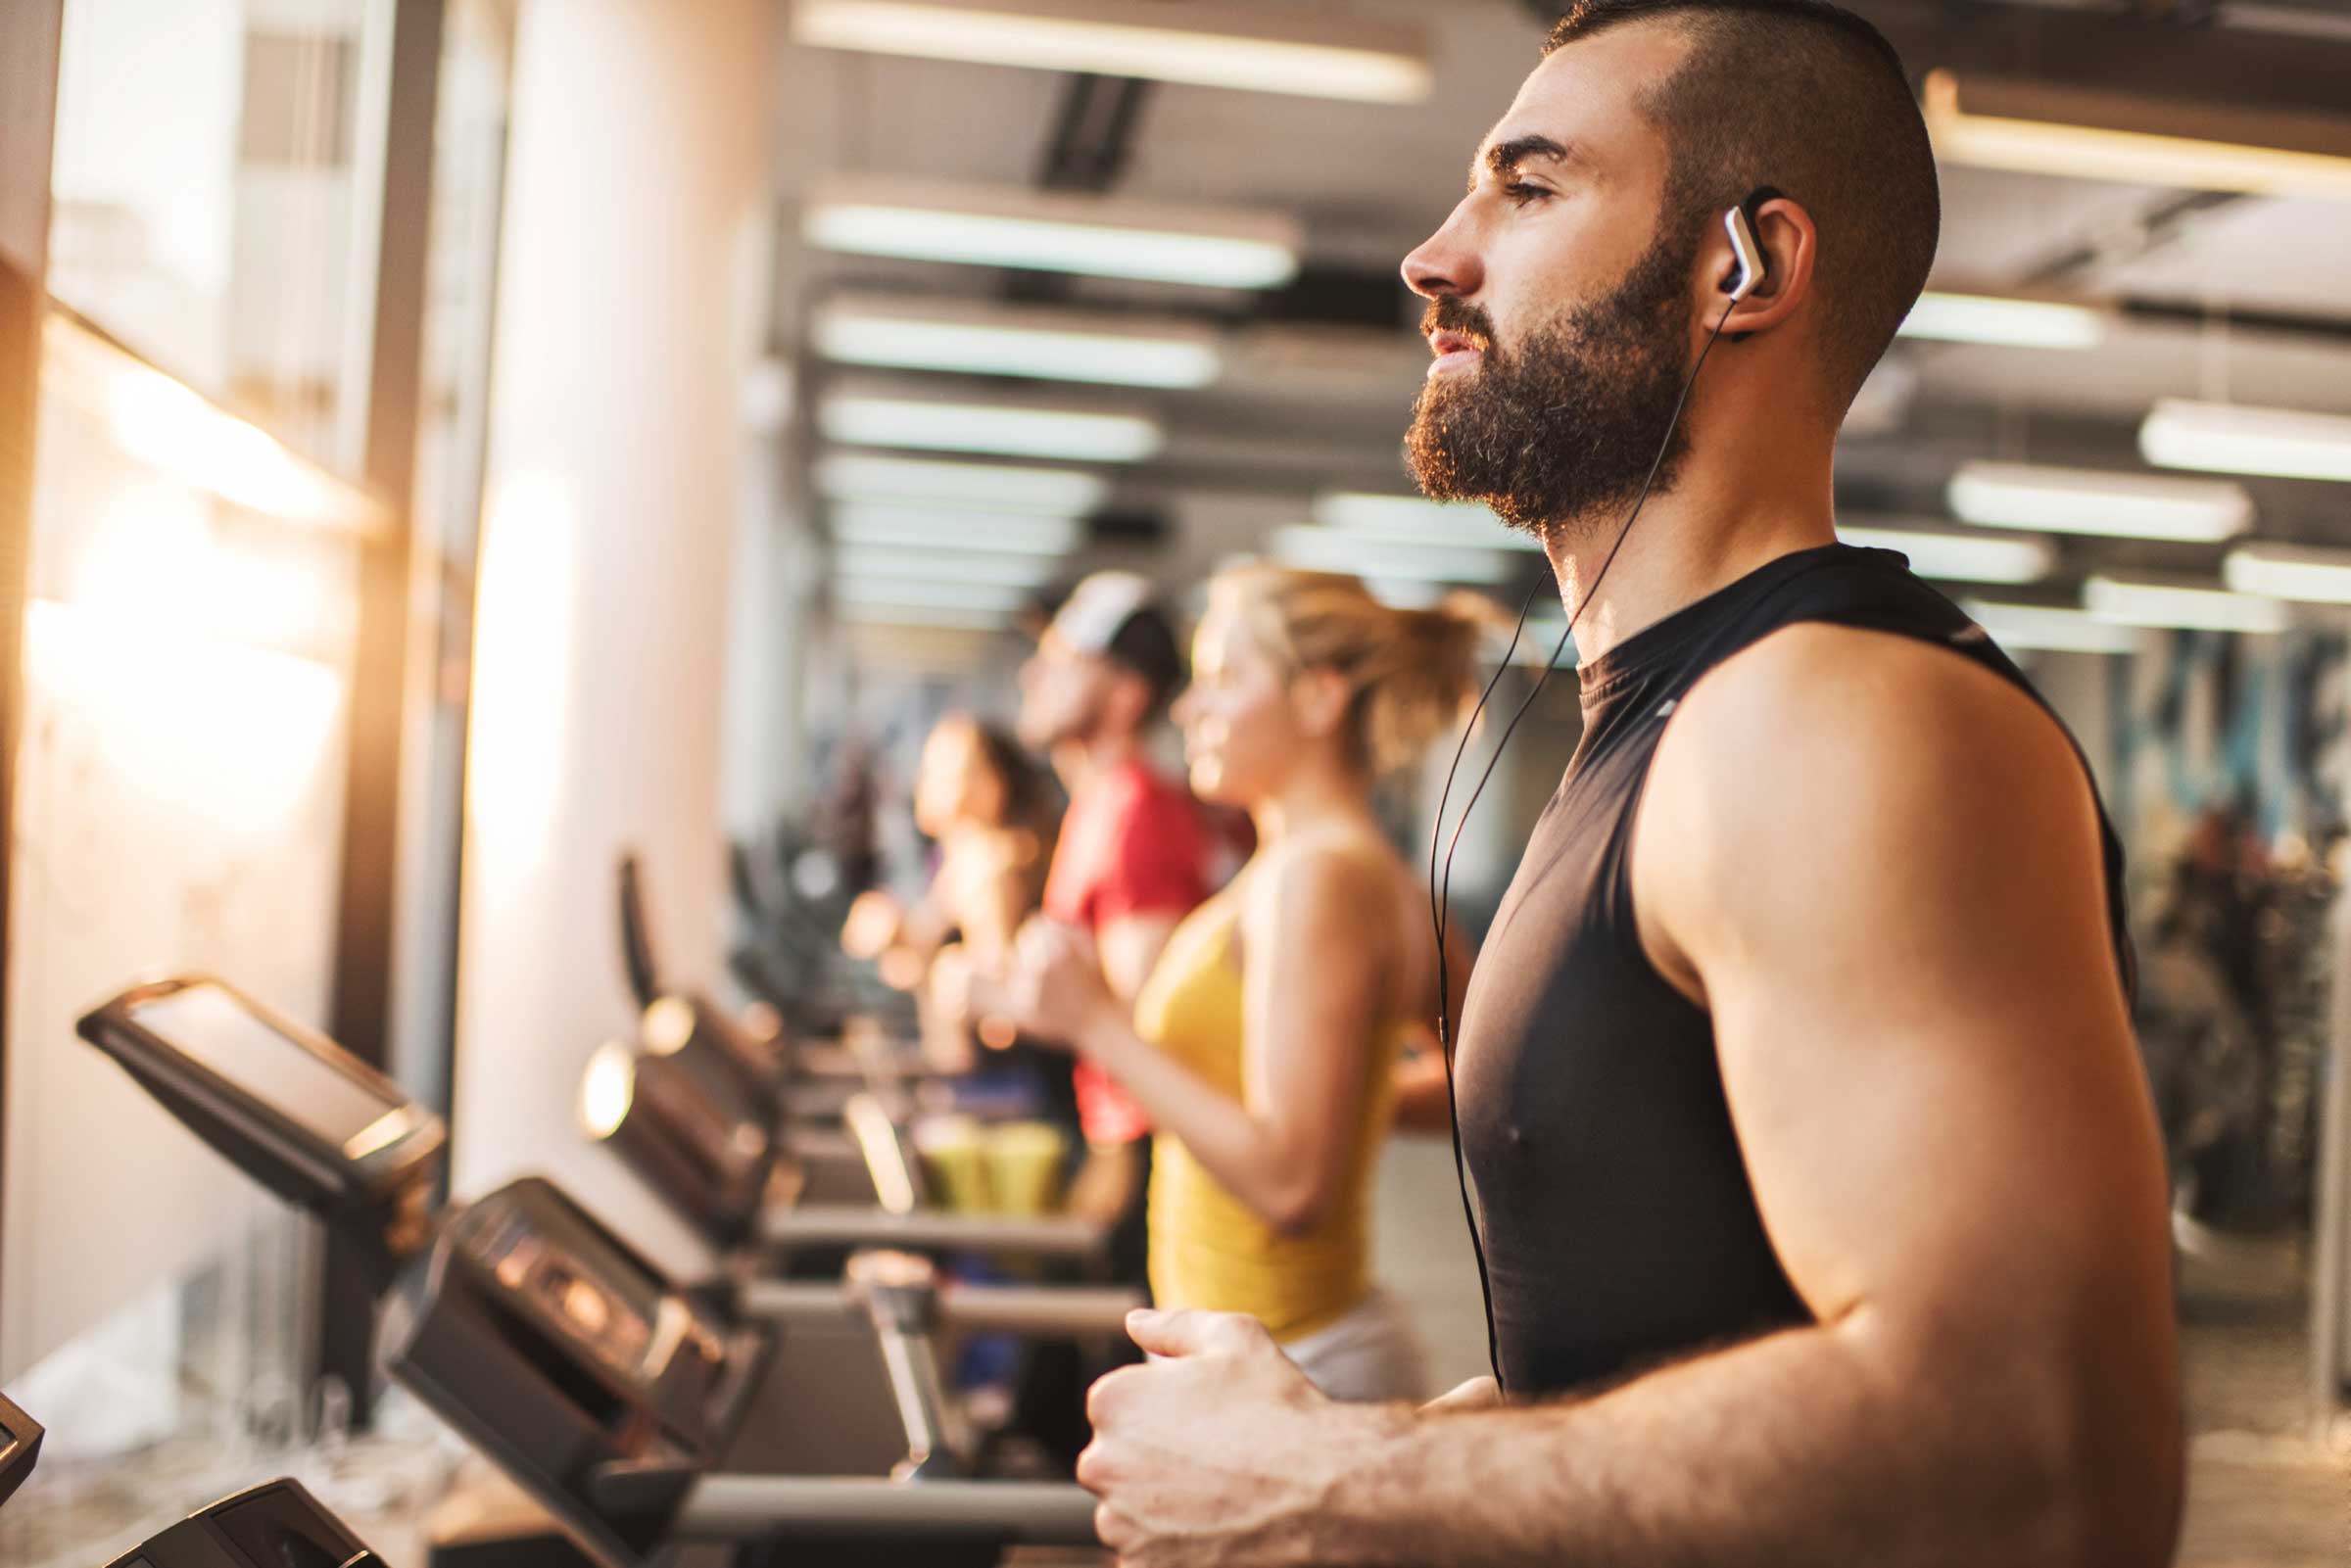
x=1819, y=1188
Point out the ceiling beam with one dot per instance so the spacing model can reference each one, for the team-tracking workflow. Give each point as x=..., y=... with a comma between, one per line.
x=2163, y=59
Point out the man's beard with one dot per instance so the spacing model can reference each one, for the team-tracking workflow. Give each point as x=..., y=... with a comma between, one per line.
x=1082, y=719
x=1565, y=427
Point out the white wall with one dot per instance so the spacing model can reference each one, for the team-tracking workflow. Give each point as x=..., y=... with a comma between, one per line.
x=637, y=200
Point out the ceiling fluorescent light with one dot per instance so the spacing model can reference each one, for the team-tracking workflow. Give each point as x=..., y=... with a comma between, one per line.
x=927, y=527
x=1416, y=520
x=2003, y=323
x=1050, y=231
x=2290, y=572
x=2179, y=605
x=923, y=594
x=2224, y=438
x=856, y=476
x=2019, y=626
x=937, y=565
x=1254, y=47
x=927, y=617
x=2077, y=500
x=1079, y=431
x=1953, y=555
x=1405, y=592
x=1324, y=550
x=1004, y=341
x=2039, y=129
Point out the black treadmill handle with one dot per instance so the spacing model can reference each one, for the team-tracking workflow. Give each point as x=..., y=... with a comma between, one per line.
x=1040, y=1311
x=758, y=1508
x=862, y=1225
x=635, y=1489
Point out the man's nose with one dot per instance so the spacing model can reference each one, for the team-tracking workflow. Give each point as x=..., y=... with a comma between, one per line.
x=1445, y=263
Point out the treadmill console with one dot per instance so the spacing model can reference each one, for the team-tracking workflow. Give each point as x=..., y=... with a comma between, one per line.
x=20, y=1447
x=710, y=1159
x=697, y=1030
x=275, y=1525
x=284, y=1104
x=563, y=1354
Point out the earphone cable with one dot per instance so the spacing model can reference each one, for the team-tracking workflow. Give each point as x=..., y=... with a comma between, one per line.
x=1439, y=893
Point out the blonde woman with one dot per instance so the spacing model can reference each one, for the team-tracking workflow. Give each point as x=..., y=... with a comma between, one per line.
x=1265, y=1043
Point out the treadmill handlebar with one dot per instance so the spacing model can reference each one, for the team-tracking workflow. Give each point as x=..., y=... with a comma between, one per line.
x=861, y=1225
x=748, y=1507
x=1038, y=1311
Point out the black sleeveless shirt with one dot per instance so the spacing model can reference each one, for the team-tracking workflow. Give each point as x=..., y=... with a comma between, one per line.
x=1620, y=1229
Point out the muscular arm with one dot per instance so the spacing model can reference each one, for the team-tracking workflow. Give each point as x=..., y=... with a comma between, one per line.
x=1898, y=927
x=1313, y=983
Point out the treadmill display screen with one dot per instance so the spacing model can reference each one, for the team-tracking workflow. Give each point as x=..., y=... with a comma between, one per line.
x=727, y=1151
x=612, y=1309
x=207, y=1023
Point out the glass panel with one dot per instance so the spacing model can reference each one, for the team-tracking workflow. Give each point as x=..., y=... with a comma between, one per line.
x=215, y=189
x=469, y=154
x=179, y=791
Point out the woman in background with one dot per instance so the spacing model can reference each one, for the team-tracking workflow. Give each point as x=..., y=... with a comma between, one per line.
x=1265, y=1044
x=991, y=812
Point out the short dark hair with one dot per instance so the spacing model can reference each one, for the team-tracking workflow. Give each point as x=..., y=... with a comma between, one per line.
x=1026, y=790
x=1145, y=645
x=1808, y=98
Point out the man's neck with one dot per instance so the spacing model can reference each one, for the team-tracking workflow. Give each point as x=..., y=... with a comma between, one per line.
x=1088, y=757
x=1715, y=526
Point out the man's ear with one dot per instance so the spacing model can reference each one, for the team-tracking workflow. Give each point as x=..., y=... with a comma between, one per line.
x=1790, y=244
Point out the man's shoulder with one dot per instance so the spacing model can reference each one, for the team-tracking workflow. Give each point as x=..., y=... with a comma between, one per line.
x=1828, y=776
x=1820, y=718
x=1815, y=683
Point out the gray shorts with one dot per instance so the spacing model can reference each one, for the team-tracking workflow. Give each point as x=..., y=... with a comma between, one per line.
x=1369, y=1354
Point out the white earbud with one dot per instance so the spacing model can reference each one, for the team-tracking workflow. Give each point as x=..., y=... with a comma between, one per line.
x=1748, y=252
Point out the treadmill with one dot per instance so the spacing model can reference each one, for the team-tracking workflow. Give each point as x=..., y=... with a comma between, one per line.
x=725, y=1171
x=275, y=1525
x=804, y=1081
x=606, y=1391
x=20, y=1447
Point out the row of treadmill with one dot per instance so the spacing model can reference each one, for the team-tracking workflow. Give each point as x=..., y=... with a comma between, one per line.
x=791, y=1407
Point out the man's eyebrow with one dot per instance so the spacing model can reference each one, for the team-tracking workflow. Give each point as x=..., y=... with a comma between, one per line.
x=1502, y=159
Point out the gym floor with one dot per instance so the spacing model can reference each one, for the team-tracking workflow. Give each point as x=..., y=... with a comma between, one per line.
x=2264, y=1491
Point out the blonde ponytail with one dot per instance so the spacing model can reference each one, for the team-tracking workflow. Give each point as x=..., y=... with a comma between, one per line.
x=1413, y=671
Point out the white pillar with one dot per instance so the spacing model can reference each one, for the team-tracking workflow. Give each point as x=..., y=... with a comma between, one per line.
x=637, y=198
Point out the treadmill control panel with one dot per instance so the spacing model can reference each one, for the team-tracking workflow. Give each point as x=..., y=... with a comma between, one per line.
x=222, y=1034
x=275, y=1525
x=284, y=1104
x=613, y=1313
x=553, y=1261
x=553, y=1347
x=20, y=1447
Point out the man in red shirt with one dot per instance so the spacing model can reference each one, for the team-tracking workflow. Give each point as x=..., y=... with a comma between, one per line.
x=1133, y=855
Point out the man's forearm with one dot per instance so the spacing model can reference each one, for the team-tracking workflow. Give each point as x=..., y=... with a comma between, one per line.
x=1802, y=1448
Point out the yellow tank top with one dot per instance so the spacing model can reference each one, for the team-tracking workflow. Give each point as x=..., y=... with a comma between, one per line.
x=1207, y=1249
